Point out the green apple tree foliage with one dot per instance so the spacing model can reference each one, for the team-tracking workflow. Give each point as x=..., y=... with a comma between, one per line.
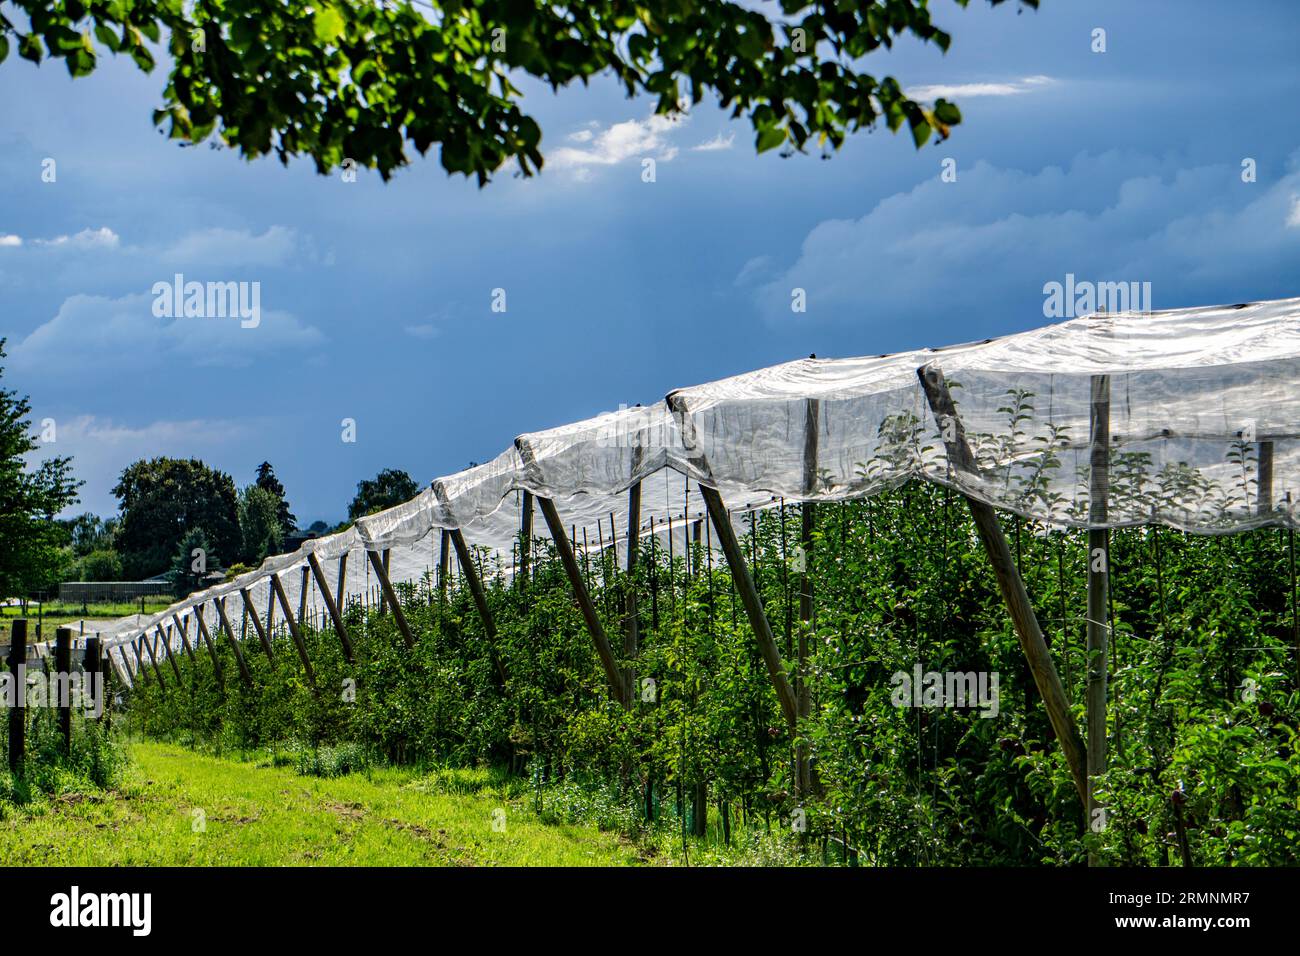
x=365, y=81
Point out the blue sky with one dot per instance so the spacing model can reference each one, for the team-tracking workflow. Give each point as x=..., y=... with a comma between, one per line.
x=376, y=298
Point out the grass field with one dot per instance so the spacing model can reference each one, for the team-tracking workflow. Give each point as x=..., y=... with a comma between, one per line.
x=177, y=807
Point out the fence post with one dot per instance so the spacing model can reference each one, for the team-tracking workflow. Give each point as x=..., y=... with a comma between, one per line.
x=1099, y=624
x=62, y=671
x=18, y=674
x=106, y=681
x=92, y=673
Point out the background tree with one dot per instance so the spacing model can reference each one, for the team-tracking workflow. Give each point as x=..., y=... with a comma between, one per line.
x=165, y=498
x=266, y=479
x=101, y=565
x=259, y=524
x=193, y=561
x=390, y=487
x=89, y=532
x=361, y=80
x=32, y=545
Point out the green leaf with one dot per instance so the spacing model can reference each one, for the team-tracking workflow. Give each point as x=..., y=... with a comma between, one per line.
x=770, y=138
x=920, y=133
x=329, y=24
x=106, y=36
x=143, y=58
x=29, y=48
x=80, y=63
x=947, y=113
x=4, y=47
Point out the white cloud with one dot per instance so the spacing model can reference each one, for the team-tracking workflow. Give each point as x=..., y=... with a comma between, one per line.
x=209, y=248
x=753, y=269
x=950, y=91
x=216, y=247
x=1293, y=220
x=101, y=238
x=631, y=138
x=715, y=144
x=89, y=328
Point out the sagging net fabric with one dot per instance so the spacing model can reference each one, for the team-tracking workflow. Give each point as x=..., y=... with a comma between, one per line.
x=1201, y=408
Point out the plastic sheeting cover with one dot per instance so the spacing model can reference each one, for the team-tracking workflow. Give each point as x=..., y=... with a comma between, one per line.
x=1204, y=414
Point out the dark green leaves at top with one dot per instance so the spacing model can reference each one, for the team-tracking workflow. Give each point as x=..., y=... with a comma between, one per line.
x=365, y=81
x=770, y=138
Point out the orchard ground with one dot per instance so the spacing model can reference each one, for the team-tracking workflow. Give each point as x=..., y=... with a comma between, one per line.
x=175, y=807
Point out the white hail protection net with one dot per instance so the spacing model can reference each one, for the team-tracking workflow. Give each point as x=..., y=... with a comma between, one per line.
x=1203, y=409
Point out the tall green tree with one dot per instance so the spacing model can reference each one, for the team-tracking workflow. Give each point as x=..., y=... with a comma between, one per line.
x=259, y=524
x=193, y=561
x=388, y=488
x=164, y=499
x=89, y=532
x=33, y=550
x=361, y=81
x=267, y=480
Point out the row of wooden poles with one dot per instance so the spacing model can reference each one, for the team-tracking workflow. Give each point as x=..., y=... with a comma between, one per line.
x=793, y=697
x=93, y=662
x=1086, y=761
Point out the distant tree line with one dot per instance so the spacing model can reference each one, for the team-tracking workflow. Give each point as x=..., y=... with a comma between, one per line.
x=185, y=519
x=176, y=517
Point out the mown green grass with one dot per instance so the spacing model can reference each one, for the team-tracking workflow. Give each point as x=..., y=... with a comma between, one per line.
x=262, y=815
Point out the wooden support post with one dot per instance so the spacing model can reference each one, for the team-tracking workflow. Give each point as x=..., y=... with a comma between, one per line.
x=466, y=562
x=153, y=659
x=139, y=656
x=303, y=585
x=234, y=643
x=92, y=669
x=390, y=596
x=182, y=630
x=807, y=523
x=167, y=650
x=381, y=572
x=444, y=563
x=1098, y=596
x=18, y=712
x=202, y=627
x=278, y=587
x=525, y=538
x=1264, y=491
x=107, y=666
x=335, y=615
x=341, y=591
x=251, y=610
x=753, y=605
x=62, y=683
x=631, y=635
x=1014, y=595
x=594, y=627
x=270, y=611
x=803, y=687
